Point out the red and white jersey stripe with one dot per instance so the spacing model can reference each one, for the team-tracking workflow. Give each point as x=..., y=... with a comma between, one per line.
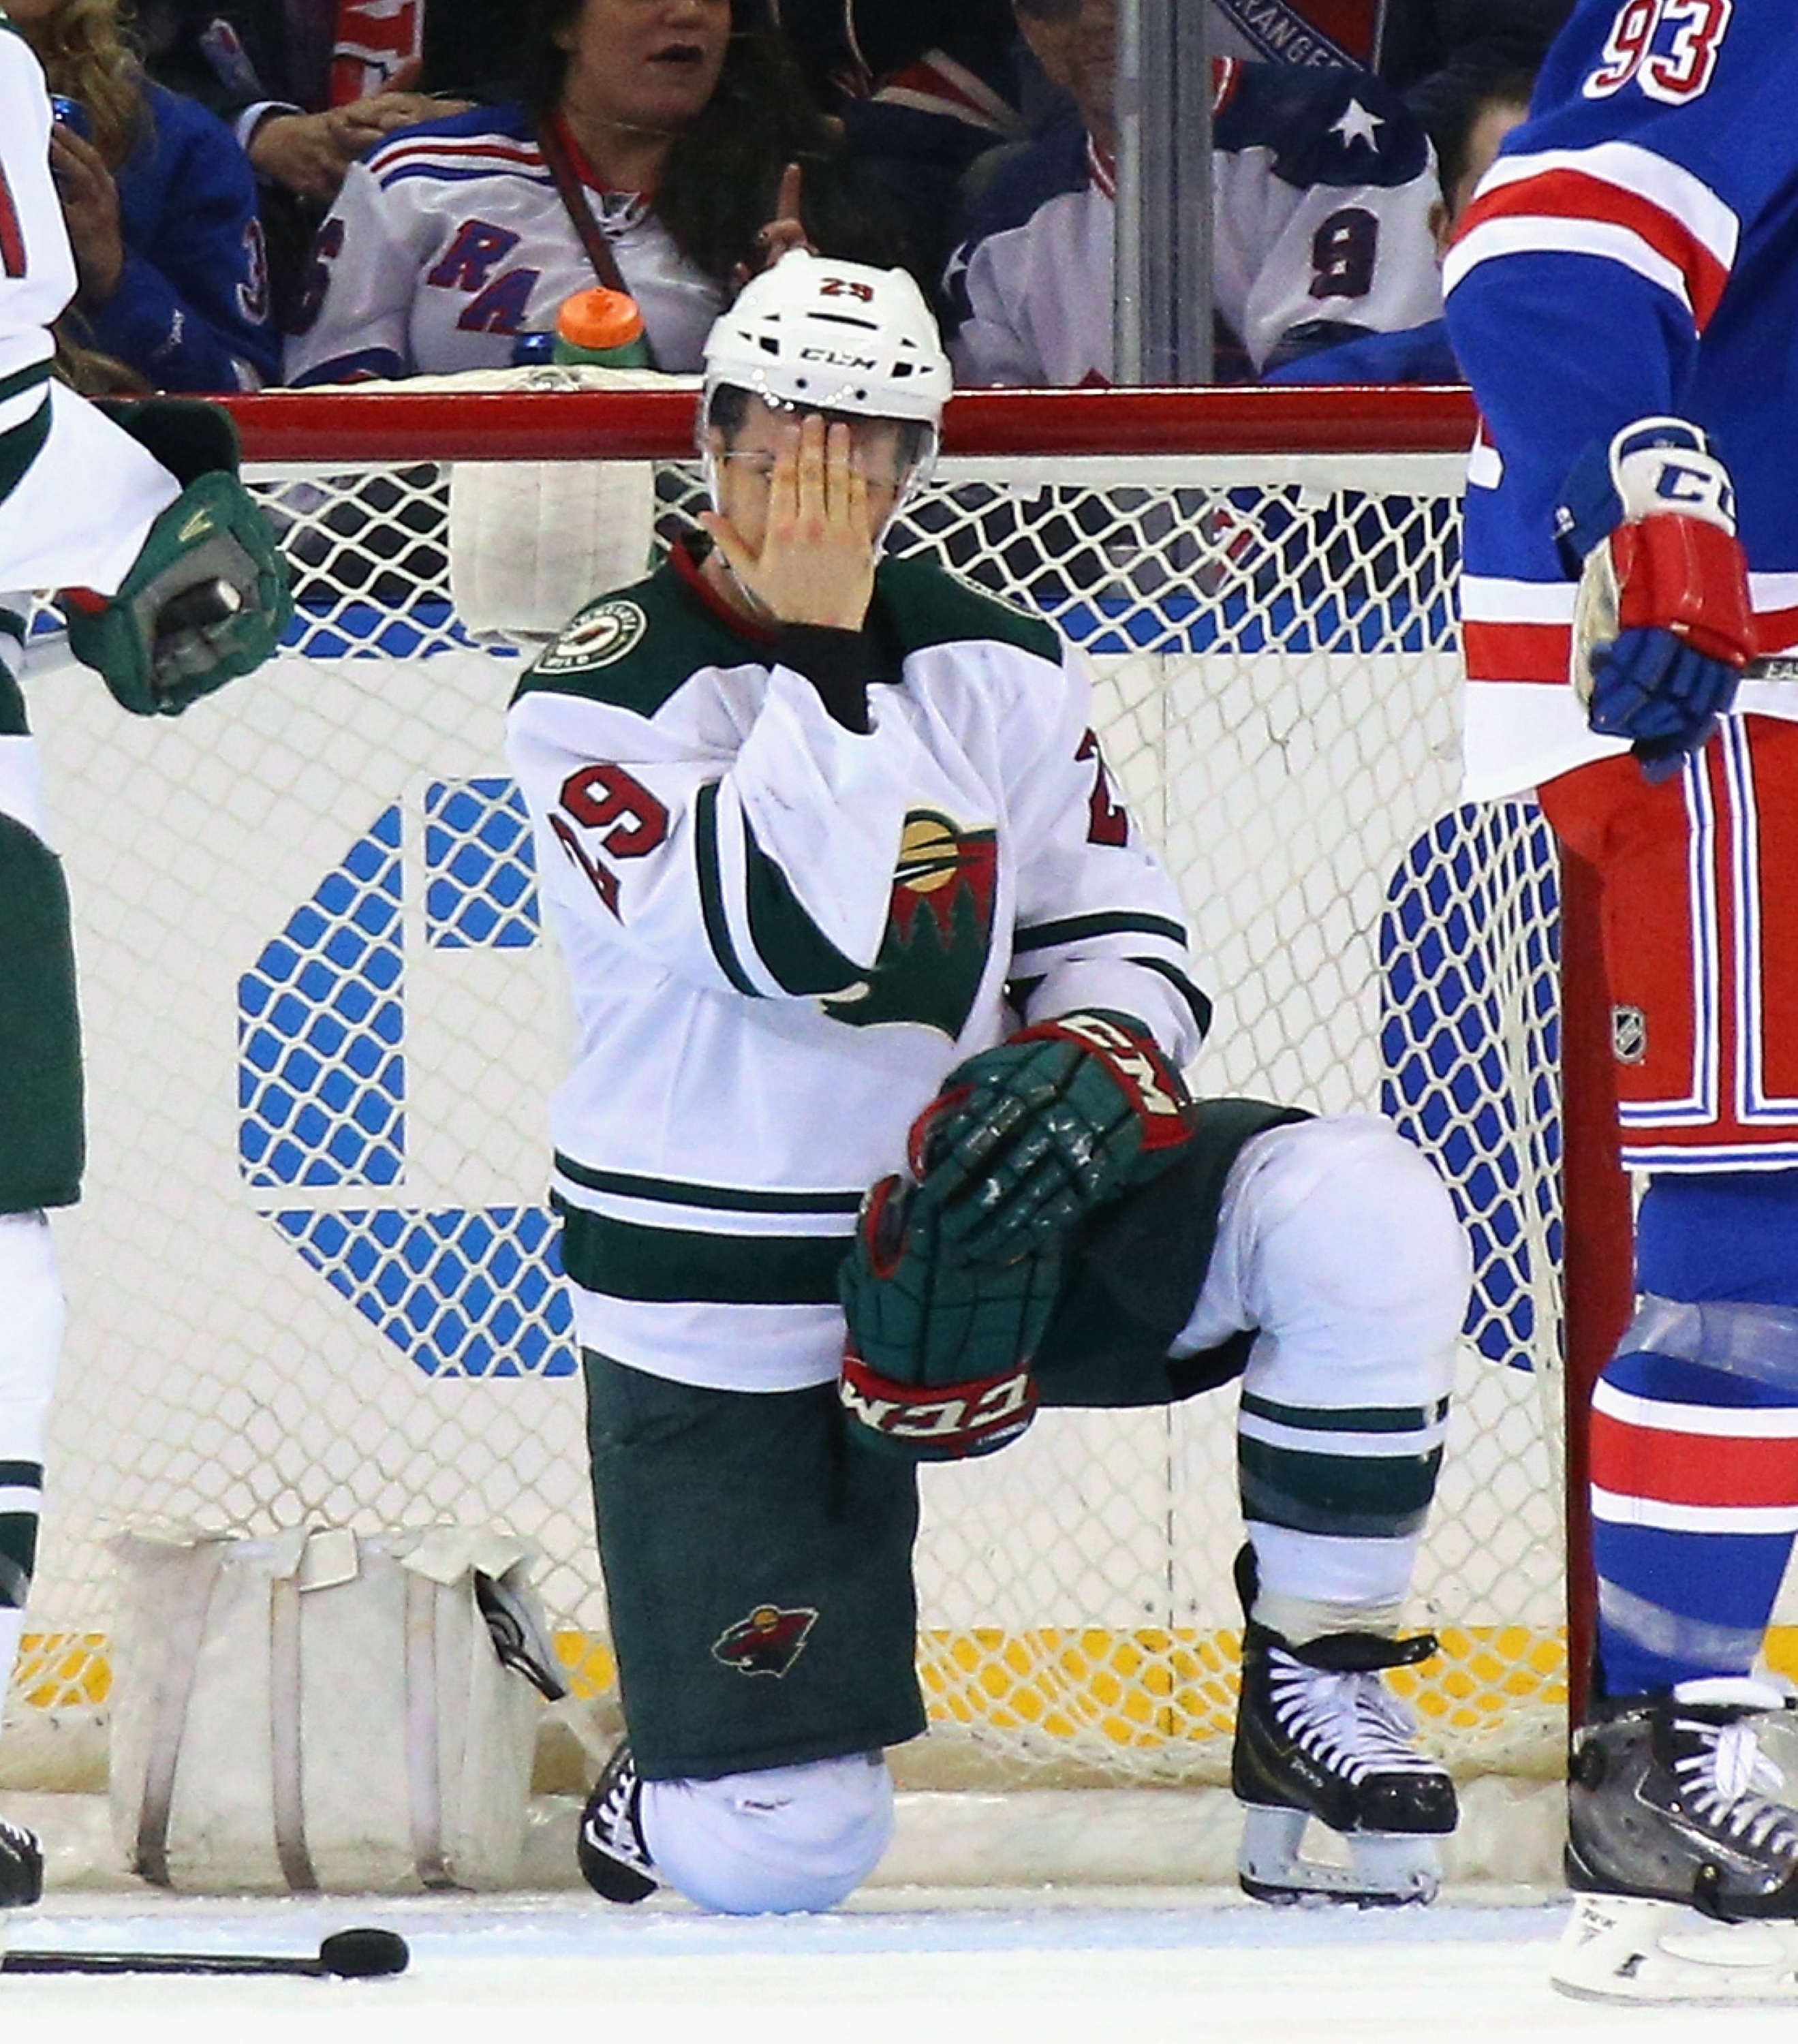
x=1693, y=1469
x=1615, y=202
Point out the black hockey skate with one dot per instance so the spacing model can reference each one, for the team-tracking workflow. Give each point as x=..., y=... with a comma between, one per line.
x=614, y=1861
x=1685, y=1865
x=21, y=1866
x=1318, y=1735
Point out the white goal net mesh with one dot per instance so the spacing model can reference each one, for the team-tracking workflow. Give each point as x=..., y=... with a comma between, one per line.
x=313, y=1278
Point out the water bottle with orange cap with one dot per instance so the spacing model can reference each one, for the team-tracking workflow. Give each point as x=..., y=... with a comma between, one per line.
x=601, y=327
x=593, y=326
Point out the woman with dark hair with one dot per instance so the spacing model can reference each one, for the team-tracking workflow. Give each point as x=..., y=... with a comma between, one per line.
x=653, y=149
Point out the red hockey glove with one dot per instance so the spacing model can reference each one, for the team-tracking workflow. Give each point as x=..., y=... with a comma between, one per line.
x=1662, y=626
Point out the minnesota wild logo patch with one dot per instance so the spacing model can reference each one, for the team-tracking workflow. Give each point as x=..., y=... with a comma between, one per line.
x=596, y=638
x=939, y=930
x=767, y=1642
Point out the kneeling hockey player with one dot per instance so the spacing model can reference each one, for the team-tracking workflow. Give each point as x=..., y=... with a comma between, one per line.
x=831, y=851
x=172, y=586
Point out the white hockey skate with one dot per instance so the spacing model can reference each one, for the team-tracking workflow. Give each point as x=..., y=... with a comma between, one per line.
x=1686, y=1864
x=1319, y=1735
x=1621, y=1948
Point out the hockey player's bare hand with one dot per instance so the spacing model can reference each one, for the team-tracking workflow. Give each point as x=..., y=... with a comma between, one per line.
x=91, y=213
x=816, y=563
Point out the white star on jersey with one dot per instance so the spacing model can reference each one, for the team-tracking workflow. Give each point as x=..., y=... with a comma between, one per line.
x=1358, y=125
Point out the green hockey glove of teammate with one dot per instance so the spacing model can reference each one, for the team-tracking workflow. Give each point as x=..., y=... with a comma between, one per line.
x=938, y=1360
x=207, y=598
x=1030, y=1137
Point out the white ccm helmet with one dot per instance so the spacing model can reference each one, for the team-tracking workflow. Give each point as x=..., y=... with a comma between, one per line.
x=813, y=334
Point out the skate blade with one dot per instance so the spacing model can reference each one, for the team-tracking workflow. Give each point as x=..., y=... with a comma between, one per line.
x=1386, y=1869
x=1627, y=1949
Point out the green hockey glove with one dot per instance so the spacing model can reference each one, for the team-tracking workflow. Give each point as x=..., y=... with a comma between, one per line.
x=937, y=1364
x=207, y=598
x=1028, y=1138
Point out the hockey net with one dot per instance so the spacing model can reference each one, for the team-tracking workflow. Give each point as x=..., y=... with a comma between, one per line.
x=311, y=1280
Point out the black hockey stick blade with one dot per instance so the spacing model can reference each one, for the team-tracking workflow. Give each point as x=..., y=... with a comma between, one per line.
x=364, y=1954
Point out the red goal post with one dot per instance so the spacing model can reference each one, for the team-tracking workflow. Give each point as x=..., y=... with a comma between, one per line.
x=311, y=1278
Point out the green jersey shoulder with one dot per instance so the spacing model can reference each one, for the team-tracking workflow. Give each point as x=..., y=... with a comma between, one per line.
x=635, y=646
x=921, y=605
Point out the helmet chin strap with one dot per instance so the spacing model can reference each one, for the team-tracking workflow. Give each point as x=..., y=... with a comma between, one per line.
x=916, y=476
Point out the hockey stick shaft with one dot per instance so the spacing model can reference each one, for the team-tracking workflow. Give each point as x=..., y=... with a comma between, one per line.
x=367, y=1954
x=161, y=1962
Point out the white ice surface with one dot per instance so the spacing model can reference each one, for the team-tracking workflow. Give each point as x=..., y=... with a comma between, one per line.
x=932, y=1967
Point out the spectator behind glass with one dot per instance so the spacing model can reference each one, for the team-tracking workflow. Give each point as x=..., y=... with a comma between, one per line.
x=922, y=90
x=172, y=279
x=1468, y=119
x=685, y=131
x=1322, y=190
x=302, y=113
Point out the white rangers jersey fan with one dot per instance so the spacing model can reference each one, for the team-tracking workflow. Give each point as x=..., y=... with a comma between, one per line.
x=449, y=240
x=1322, y=188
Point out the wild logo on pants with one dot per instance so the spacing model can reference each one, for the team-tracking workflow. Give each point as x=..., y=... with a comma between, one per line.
x=767, y=1642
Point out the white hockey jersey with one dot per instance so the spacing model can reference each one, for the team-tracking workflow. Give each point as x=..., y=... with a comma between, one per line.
x=782, y=935
x=77, y=495
x=449, y=240
x=1322, y=187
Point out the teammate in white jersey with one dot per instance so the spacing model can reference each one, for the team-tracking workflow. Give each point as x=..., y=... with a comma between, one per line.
x=172, y=586
x=831, y=850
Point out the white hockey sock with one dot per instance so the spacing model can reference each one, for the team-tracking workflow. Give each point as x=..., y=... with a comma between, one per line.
x=781, y=1838
x=1311, y=1584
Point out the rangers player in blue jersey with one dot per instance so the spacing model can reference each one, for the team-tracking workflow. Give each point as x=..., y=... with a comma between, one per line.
x=1624, y=298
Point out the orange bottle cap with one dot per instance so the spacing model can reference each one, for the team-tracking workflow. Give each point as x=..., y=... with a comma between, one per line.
x=599, y=319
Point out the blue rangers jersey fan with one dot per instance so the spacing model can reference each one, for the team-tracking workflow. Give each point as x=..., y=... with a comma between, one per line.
x=1638, y=235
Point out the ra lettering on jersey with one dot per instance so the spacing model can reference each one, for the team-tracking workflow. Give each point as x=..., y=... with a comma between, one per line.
x=449, y=238
x=496, y=303
x=1633, y=252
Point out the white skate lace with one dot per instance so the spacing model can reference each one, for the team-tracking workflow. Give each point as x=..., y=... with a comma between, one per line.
x=611, y=1826
x=1722, y=1783
x=1351, y=1722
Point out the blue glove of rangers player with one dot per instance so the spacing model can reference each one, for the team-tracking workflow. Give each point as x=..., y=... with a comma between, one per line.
x=1662, y=625
x=937, y=1364
x=1031, y=1136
